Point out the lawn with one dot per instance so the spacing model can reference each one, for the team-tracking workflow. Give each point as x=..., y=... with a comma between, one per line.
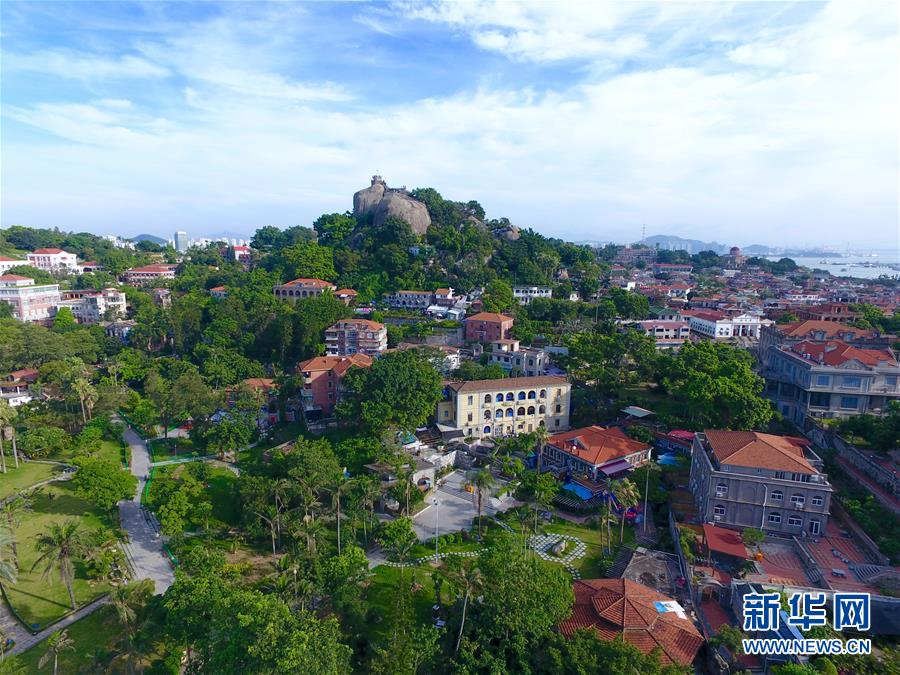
x=36, y=600
x=162, y=449
x=15, y=480
x=382, y=596
x=595, y=562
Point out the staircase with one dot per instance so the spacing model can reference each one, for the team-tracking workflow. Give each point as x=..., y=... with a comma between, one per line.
x=620, y=563
x=868, y=572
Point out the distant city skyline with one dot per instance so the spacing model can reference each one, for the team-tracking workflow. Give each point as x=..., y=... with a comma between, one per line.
x=747, y=123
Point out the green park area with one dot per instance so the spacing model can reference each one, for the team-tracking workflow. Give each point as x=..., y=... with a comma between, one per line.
x=27, y=474
x=40, y=600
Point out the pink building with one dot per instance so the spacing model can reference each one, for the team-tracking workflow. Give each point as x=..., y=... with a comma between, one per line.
x=149, y=274
x=53, y=260
x=356, y=336
x=302, y=288
x=29, y=302
x=488, y=327
x=322, y=377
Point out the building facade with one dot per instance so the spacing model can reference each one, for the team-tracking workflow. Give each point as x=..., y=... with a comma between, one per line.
x=29, y=302
x=302, y=288
x=487, y=327
x=53, y=260
x=666, y=334
x=149, y=274
x=182, y=243
x=830, y=379
x=6, y=264
x=89, y=306
x=744, y=479
x=595, y=452
x=513, y=358
x=356, y=336
x=497, y=408
x=418, y=300
x=525, y=294
x=718, y=326
x=322, y=378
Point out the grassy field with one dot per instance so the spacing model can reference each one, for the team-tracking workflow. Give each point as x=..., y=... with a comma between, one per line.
x=596, y=561
x=38, y=601
x=15, y=480
x=162, y=449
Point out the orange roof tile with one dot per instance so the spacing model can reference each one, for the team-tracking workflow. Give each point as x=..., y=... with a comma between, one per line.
x=596, y=445
x=339, y=364
x=756, y=450
x=489, y=316
x=836, y=353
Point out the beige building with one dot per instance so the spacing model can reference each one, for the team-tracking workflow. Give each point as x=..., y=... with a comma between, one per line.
x=505, y=407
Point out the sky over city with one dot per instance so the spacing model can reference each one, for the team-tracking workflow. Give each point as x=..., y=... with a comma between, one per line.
x=772, y=123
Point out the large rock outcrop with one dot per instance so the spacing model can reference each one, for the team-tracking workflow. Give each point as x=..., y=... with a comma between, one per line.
x=383, y=203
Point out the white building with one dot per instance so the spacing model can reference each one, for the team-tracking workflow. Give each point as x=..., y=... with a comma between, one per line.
x=420, y=300
x=89, y=306
x=181, y=242
x=524, y=361
x=525, y=294
x=53, y=260
x=29, y=302
x=717, y=326
x=6, y=264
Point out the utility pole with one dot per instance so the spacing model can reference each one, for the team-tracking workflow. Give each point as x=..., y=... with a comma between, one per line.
x=437, y=521
x=647, y=485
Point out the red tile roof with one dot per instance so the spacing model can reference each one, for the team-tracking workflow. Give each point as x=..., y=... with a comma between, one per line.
x=596, y=445
x=358, y=323
x=509, y=383
x=836, y=353
x=616, y=608
x=49, y=250
x=489, y=316
x=346, y=291
x=723, y=540
x=760, y=451
x=316, y=283
x=831, y=329
x=339, y=364
x=12, y=277
x=3, y=258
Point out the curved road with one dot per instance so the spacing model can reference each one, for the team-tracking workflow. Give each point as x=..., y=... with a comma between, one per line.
x=144, y=549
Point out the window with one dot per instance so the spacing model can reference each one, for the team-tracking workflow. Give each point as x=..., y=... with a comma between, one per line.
x=850, y=402
x=719, y=510
x=795, y=521
x=780, y=475
x=487, y=430
x=775, y=518
x=469, y=417
x=498, y=414
x=521, y=396
x=531, y=410
x=542, y=410
x=890, y=380
x=520, y=411
x=487, y=398
x=487, y=414
x=543, y=393
x=818, y=500
x=823, y=380
x=556, y=423
x=499, y=398
x=721, y=490
x=848, y=382
x=798, y=500
x=510, y=397
x=446, y=413
x=531, y=394
x=777, y=496
x=815, y=527
x=558, y=408
x=509, y=412
x=471, y=400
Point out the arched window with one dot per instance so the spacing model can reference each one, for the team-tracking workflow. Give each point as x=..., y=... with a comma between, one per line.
x=509, y=412
x=521, y=395
x=499, y=398
x=487, y=398
x=487, y=414
x=531, y=410
x=487, y=429
x=541, y=423
x=542, y=410
x=520, y=411
x=510, y=396
x=543, y=393
x=498, y=413
x=531, y=394
x=777, y=496
x=775, y=518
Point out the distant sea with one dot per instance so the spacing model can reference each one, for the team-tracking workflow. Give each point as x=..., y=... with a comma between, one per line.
x=859, y=266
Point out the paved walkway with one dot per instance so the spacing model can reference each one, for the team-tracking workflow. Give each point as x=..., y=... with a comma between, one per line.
x=25, y=640
x=145, y=546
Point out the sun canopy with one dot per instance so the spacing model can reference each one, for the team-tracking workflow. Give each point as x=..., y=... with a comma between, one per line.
x=635, y=411
x=616, y=467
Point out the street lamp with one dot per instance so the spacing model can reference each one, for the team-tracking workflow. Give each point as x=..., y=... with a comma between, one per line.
x=437, y=521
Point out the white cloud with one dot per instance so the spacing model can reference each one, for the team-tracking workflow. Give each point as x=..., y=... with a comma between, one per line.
x=83, y=66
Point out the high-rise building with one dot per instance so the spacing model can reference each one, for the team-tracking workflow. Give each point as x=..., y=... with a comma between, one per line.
x=181, y=242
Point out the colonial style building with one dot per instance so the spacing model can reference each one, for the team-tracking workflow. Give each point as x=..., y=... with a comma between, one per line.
x=302, y=288
x=719, y=326
x=525, y=294
x=53, y=260
x=6, y=264
x=90, y=306
x=149, y=274
x=356, y=336
x=518, y=360
x=666, y=334
x=419, y=300
x=322, y=378
x=747, y=479
x=487, y=327
x=830, y=379
x=595, y=452
x=504, y=407
x=29, y=302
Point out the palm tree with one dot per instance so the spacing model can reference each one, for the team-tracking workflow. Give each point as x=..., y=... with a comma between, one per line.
x=628, y=495
x=541, y=435
x=60, y=547
x=337, y=490
x=483, y=481
x=9, y=568
x=270, y=518
x=467, y=578
x=86, y=396
x=369, y=494
x=57, y=642
x=11, y=510
x=122, y=599
x=313, y=530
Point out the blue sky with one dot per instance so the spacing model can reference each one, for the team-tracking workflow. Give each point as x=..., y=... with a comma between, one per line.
x=745, y=123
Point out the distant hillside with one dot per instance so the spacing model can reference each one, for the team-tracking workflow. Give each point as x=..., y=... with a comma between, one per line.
x=668, y=242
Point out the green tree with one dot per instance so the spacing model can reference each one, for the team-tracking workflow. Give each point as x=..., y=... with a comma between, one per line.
x=45, y=441
x=400, y=389
x=334, y=228
x=103, y=482
x=59, y=548
x=483, y=481
x=309, y=260
x=64, y=321
x=57, y=643
x=498, y=297
x=628, y=495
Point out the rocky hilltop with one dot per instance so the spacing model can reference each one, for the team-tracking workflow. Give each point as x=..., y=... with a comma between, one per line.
x=382, y=202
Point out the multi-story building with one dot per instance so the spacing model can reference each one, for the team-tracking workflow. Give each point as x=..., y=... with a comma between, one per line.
x=6, y=264
x=519, y=360
x=182, y=243
x=595, y=452
x=90, y=266
x=149, y=274
x=496, y=408
x=666, y=334
x=241, y=253
x=831, y=311
x=487, y=327
x=420, y=300
x=53, y=260
x=525, y=294
x=719, y=326
x=830, y=379
x=356, y=336
x=89, y=306
x=672, y=268
x=746, y=479
x=302, y=288
x=29, y=302
x=629, y=256
x=322, y=378
x=777, y=335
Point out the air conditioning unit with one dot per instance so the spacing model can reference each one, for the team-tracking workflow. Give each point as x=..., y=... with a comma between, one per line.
x=717, y=518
